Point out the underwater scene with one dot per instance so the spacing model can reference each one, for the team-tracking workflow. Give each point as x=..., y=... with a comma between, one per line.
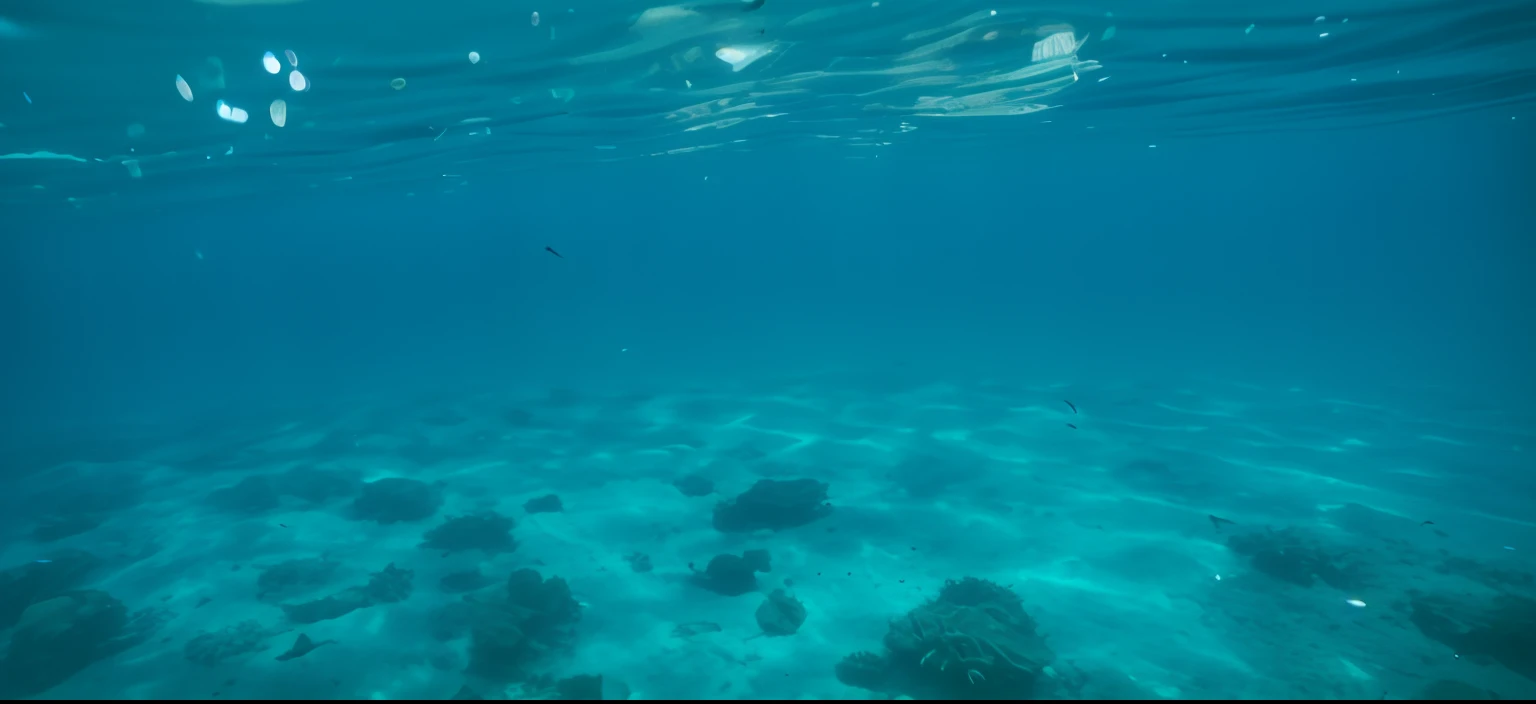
x=767, y=349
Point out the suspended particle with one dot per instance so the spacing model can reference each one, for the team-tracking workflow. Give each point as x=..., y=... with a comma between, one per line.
x=298, y=82
x=397, y=84
x=474, y=57
x=293, y=59
x=279, y=112
x=534, y=19
x=270, y=63
x=184, y=89
x=1249, y=30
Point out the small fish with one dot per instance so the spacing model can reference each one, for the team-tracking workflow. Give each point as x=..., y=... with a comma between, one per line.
x=1069, y=425
x=282, y=525
x=1426, y=523
x=1070, y=405
x=1218, y=520
x=1355, y=603
x=551, y=250
x=28, y=97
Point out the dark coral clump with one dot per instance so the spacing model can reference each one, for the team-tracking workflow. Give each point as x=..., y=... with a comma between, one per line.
x=317, y=486
x=463, y=581
x=251, y=495
x=780, y=614
x=386, y=587
x=1289, y=556
x=1503, y=630
x=490, y=533
x=61, y=636
x=291, y=577
x=972, y=642
x=773, y=505
x=544, y=504
x=512, y=634
x=33, y=582
x=694, y=486
x=733, y=575
x=396, y=500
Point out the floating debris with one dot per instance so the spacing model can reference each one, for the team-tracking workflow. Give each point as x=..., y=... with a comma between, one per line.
x=474, y=57
x=279, y=112
x=183, y=88
x=397, y=84
x=534, y=19
x=298, y=82
x=293, y=59
x=270, y=63
x=742, y=57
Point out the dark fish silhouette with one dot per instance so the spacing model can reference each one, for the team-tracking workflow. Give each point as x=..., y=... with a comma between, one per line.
x=1069, y=425
x=551, y=250
x=301, y=647
x=1426, y=523
x=1218, y=520
x=1069, y=405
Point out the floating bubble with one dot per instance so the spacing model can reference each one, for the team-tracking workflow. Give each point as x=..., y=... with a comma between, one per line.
x=534, y=19
x=397, y=84
x=293, y=59
x=270, y=63
x=231, y=113
x=279, y=112
x=474, y=57
x=184, y=89
x=297, y=81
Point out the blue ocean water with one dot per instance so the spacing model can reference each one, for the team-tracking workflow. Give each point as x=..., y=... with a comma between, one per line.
x=965, y=350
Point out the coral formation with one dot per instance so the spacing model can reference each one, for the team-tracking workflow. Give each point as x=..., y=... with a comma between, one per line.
x=733, y=575
x=490, y=533
x=780, y=614
x=514, y=632
x=773, y=505
x=972, y=642
x=396, y=500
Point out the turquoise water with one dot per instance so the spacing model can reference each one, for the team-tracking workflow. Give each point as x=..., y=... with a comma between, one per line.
x=1174, y=349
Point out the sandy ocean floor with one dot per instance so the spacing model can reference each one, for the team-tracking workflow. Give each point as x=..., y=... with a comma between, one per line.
x=1321, y=578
